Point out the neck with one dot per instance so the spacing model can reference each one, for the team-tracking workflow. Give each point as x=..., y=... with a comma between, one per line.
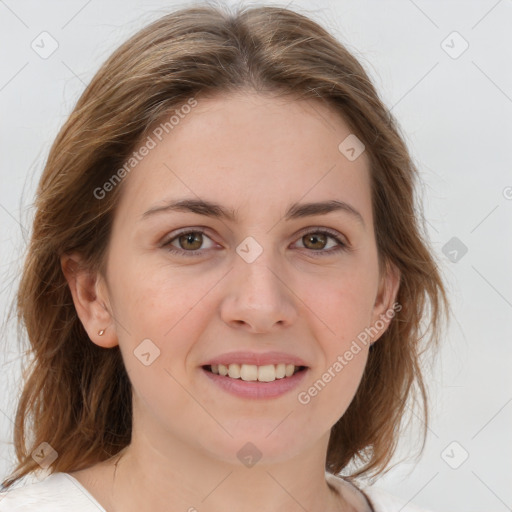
x=144, y=479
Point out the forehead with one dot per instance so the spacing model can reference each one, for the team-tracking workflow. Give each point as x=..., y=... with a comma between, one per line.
x=247, y=150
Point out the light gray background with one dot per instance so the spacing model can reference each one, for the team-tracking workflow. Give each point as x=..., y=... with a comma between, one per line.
x=456, y=114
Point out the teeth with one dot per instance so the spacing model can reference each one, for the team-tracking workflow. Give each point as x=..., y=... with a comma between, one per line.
x=234, y=371
x=247, y=371
x=251, y=372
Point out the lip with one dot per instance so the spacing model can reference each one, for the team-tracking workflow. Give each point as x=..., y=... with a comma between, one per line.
x=256, y=389
x=255, y=358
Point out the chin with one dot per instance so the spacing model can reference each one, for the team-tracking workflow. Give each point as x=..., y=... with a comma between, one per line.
x=258, y=447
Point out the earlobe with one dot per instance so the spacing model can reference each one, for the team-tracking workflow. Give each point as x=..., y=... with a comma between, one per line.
x=385, y=307
x=90, y=299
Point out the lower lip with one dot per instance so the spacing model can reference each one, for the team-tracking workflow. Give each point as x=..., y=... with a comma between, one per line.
x=256, y=389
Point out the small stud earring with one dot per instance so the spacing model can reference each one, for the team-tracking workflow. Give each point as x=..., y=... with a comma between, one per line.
x=100, y=333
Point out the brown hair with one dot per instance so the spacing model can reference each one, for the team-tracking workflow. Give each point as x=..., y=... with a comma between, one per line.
x=76, y=395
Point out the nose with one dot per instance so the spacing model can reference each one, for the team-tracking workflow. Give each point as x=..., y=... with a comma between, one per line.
x=259, y=298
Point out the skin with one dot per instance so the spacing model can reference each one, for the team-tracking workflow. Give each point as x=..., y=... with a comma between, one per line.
x=256, y=155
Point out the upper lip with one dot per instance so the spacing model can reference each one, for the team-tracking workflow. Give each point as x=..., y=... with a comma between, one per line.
x=255, y=358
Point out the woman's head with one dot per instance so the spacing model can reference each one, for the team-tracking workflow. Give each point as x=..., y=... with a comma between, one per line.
x=255, y=112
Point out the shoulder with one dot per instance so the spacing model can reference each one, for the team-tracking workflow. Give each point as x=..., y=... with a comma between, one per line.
x=380, y=500
x=57, y=492
x=383, y=501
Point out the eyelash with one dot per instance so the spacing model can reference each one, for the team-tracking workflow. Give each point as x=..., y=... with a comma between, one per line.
x=342, y=246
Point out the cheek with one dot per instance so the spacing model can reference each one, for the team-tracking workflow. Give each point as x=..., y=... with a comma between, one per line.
x=156, y=300
x=161, y=316
x=332, y=387
x=171, y=309
x=345, y=312
x=343, y=301
x=345, y=309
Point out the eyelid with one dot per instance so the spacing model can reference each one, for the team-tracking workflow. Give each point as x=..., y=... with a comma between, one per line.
x=184, y=231
x=341, y=240
x=328, y=231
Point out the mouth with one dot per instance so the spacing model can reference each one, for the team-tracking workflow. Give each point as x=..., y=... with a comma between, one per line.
x=254, y=373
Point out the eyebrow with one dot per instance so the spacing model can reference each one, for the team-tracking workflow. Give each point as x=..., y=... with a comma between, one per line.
x=215, y=210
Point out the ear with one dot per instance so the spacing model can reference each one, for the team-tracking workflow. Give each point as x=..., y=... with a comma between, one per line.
x=385, y=307
x=90, y=297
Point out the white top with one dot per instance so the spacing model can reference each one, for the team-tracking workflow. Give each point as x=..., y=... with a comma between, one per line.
x=61, y=492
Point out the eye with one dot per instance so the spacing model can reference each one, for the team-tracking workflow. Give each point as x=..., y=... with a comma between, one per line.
x=318, y=240
x=190, y=242
x=187, y=242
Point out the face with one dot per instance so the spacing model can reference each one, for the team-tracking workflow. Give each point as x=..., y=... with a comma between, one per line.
x=271, y=275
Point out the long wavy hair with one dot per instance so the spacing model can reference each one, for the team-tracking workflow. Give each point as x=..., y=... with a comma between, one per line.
x=77, y=396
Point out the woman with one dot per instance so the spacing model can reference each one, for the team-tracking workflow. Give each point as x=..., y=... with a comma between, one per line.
x=226, y=280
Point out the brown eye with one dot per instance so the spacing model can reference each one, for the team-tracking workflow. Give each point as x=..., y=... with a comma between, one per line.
x=191, y=241
x=322, y=243
x=315, y=241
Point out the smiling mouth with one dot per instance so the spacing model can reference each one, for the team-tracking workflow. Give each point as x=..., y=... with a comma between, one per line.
x=250, y=372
